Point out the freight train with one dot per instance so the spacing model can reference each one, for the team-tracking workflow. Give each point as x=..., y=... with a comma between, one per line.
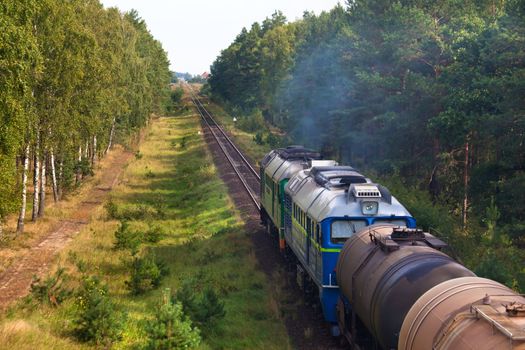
x=382, y=283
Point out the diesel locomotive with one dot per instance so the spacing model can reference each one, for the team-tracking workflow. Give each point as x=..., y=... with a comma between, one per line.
x=382, y=283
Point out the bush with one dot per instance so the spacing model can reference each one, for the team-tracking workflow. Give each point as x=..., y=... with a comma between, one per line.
x=170, y=329
x=111, y=209
x=127, y=239
x=154, y=234
x=84, y=168
x=97, y=318
x=273, y=140
x=258, y=138
x=204, y=308
x=146, y=274
x=253, y=122
x=51, y=290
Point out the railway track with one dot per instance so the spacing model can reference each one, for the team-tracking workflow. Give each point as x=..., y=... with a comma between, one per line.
x=248, y=176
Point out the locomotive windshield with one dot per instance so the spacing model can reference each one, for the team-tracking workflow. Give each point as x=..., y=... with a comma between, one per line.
x=344, y=229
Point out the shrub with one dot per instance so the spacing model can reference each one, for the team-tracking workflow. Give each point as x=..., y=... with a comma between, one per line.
x=258, y=138
x=170, y=329
x=127, y=239
x=97, y=318
x=204, y=308
x=138, y=155
x=183, y=142
x=161, y=207
x=138, y=212
x=111, y=209
x=154, y=234
x=84, y=168
x=51, y=290
x=146, y=274
x=273, y=140
x=253, y=122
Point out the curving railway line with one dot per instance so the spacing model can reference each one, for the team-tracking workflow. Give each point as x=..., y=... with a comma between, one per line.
x=241, y=166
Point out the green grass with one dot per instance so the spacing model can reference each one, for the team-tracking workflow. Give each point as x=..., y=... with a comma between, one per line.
x=174, y=186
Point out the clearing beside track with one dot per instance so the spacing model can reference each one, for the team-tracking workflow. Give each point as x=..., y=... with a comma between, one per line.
x=170, y=188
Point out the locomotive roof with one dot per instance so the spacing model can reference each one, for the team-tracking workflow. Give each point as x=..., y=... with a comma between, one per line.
x=321, y=199
x=294, y=152
x=336, y=175
x=283, y=163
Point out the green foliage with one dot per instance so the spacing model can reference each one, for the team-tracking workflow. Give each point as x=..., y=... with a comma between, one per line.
x=176, y=96
x=258, y=138
x=252, y=123
x=204, y=308
x=66, y=71
x=154, y=234
x=111, y=209
x=170, y=329
x=406, y=88
x=146, y=274
x=125, y=238
x=52, y=290
x=97, y=319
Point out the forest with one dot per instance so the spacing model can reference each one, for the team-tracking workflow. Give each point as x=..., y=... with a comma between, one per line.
x=426, y=96
x=75, y=77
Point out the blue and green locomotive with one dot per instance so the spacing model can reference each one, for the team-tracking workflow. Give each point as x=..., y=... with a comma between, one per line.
x=313, y=206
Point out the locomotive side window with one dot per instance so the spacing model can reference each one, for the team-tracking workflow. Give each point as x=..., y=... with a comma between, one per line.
x=344, y=229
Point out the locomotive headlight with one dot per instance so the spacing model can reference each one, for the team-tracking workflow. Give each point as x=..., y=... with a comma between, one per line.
x=369, y=208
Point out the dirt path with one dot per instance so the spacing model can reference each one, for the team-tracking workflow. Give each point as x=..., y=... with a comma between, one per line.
x=36, y=259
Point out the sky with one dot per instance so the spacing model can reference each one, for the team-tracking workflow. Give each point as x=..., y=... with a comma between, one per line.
x=194, y=32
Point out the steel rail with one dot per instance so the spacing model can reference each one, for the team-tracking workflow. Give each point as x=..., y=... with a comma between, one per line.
x=248, y=164
x=201, y=111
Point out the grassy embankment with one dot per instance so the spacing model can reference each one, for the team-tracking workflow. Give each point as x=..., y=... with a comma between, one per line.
x=170, y=188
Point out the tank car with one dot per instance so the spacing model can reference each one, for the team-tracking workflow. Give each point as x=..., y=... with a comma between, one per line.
x=400, y=291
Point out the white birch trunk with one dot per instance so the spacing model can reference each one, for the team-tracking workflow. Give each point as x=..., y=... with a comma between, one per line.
x=36, y=180
x=53, y=176
x=22, y=216
x=60, y=177
x=78, y=175
x=42, y=203
x=111, y=136
x=94, y=154
x=86, y=150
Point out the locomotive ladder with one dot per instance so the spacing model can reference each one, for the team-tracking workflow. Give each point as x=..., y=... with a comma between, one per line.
x=248, y=176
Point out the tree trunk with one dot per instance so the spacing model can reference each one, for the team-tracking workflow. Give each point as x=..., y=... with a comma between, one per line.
x=60, y=177
x=111, y=136
x=94, y=154
x=36, y=180
x=465, y=183
x=86, y=150
x=54, y=177
x=22, y=216
x=42, y=186
x=78, y=174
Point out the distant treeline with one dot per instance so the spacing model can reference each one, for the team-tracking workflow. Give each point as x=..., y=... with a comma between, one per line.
x=430, y=92
x=74, y=77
